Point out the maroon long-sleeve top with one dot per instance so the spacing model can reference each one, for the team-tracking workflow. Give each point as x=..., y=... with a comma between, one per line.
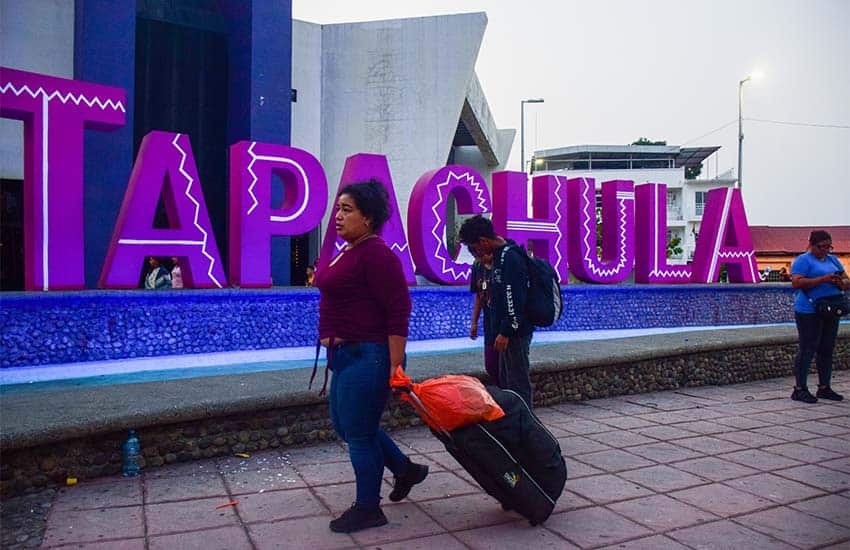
x=364, y=295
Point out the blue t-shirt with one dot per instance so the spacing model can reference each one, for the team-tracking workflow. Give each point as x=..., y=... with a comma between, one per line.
x=810, y=267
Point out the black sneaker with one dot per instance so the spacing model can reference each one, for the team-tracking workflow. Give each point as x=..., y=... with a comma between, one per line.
x=357, y=518
x=404, y=483
x=827, y=393
x=802, y=394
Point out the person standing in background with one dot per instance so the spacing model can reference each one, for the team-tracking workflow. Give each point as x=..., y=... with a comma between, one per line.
x=158, y=277
x=176, y=273
x=816, y=274
x=481, y=283
x=512, y=329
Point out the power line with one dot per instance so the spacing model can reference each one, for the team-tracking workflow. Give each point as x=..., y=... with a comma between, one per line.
x=731, y=122
x=798, y=123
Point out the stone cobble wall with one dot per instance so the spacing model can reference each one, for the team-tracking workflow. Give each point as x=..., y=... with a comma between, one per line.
x=26, y=470
x=65, y=327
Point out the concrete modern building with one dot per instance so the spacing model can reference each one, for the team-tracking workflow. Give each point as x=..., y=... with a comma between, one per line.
x=665, y=164
x=222, y=71
x=404, y=88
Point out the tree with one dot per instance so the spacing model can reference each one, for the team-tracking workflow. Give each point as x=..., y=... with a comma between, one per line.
x=691, y=172
x=645, y=141
x=673, y=248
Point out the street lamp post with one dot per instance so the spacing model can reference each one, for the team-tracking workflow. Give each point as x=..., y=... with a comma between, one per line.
x=522, y=130
x=740, y=128
x=755, y=75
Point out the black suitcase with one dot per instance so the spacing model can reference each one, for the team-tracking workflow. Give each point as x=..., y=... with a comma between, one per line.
x=515, y=459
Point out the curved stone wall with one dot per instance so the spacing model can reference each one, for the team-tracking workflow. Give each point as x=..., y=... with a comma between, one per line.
x=37, y=460
x=63, y=327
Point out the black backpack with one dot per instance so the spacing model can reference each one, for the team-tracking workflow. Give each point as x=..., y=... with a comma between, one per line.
x=543, y=303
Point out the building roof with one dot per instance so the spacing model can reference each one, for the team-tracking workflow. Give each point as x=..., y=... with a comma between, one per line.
x=693, y=156
x=794, y=240
x=582, y=151
x=609, y=155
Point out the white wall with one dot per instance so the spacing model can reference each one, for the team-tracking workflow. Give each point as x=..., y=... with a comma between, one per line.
x=396, y=88
x=37, y=36
x=307, y=79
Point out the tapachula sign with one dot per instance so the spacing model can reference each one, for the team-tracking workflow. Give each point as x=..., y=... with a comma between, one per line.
x=561, y=227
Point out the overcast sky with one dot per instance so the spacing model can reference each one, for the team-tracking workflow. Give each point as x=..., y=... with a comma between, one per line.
x=611, y=71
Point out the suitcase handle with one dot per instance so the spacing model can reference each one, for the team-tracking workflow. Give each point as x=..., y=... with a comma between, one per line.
x=422, y=409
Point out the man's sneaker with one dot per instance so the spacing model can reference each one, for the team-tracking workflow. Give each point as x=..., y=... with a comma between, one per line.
x=357, y=518
x=402, y=484
x=827, y=393
x=802, y=394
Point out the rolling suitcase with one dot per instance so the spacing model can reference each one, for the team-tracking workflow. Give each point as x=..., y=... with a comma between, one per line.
x=515, y=459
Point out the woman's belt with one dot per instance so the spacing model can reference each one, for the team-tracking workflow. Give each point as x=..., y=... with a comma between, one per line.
x=332, y=346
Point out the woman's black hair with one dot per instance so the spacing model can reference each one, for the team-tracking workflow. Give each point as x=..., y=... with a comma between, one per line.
x=371, y=199
x=819, y=235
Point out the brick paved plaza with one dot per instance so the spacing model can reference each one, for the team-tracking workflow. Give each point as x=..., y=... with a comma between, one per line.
x=731, y=467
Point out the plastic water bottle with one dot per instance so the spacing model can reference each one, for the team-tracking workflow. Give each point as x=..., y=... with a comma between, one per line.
x=132, y=458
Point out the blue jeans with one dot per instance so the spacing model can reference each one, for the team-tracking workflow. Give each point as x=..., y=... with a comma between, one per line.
x=817, y=340
x=359, y=391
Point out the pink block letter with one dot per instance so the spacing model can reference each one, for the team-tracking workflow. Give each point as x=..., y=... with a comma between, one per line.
x=724, y=237
x=618, y=230
x=426, y=220
x=545, y=232
x=54, y=112
x=651, y=245
x=164, y=167
x=253, y=221
x=363, y=167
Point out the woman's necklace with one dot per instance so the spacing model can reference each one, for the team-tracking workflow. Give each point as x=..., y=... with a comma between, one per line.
x=351, y=245
x=359, y=240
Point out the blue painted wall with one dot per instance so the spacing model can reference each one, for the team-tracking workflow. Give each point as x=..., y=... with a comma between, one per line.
x=260, y=62
x=61, y=327
x=260, y=79
x=104, y=52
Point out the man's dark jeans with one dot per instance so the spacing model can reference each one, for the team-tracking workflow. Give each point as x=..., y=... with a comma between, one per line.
x=514, y=367
x=359, y=391
x=817, y=340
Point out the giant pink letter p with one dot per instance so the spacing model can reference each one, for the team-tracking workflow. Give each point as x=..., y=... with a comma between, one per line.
x=254, y=220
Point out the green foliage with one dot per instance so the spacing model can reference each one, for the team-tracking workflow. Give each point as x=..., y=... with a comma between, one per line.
x=646, y=141
x=691, y=172
x=673, y=248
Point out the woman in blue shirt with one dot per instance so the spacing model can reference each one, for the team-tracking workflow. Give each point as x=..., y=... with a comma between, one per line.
x=816, y=274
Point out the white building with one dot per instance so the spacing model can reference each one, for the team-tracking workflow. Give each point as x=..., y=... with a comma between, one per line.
x=404, y=88
x=665, y=164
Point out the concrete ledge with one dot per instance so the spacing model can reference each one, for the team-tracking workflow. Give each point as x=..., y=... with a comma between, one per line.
x=48, y=435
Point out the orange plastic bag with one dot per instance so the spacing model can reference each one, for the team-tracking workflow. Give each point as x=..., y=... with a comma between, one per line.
x=451, y=401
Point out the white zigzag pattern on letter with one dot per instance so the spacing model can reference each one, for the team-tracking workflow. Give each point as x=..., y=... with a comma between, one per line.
x=437, y=238
x=76, y=99
x=197, y=209
x=253, y=178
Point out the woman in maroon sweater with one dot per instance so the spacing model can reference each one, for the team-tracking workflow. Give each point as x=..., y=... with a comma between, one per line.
x=363, y=321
